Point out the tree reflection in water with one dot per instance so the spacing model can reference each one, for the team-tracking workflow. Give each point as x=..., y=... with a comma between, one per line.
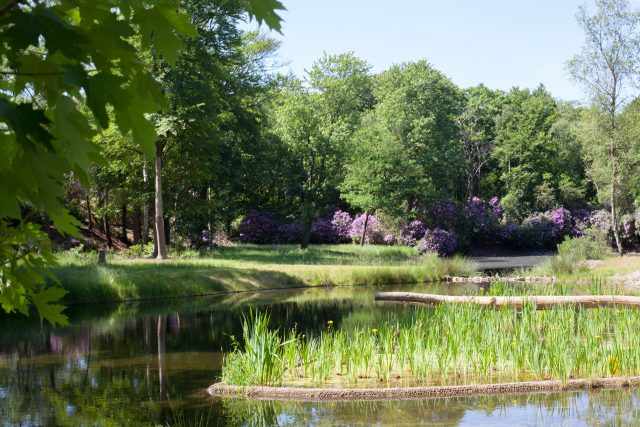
x=148, y=364
x=598, y=408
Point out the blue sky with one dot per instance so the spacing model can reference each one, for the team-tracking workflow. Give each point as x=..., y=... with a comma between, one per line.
x=501, y=43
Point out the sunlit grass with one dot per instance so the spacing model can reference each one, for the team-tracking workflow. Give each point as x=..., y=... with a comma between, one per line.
x=449, y=344
x=251, y=267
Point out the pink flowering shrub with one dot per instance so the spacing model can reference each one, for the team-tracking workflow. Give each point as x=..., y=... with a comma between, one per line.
x=374, y=234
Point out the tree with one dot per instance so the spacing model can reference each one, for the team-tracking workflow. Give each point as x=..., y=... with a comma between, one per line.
x=382, y=174
x=316, y=122
x=420, y=106
x=58, y=58
x=525, y=152
x=477, y=125
x=607, y=68
x=300, y=128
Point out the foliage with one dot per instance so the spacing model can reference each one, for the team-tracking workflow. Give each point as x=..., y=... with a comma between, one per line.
x=374, y=233
x=575, y=250
x=412, y=233
x=450, y=343
x=381, y=173
x=141, y=250
x=541, y=229
x=608, y=68
x=68, y=70
x=482, y=219
x=438, y=241
x=258, y=227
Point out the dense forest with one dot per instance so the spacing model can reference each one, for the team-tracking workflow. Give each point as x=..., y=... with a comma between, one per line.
x=248, y=153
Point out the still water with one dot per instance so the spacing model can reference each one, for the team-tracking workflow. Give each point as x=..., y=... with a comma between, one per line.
x=150, y=363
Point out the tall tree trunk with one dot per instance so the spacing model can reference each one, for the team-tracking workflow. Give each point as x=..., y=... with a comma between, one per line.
x=162, y=343
x=125, y=238
x=470, y=179
x=613, y=158
x=614, y=198
x=106, y=223
x=364, y=229
x=145, y=205
x=306, y=234
x=159, y=212
x=136, y=225
x=88, y=202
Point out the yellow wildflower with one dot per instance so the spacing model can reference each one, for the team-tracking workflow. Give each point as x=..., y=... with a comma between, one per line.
x=374, y=330
x=329, y=322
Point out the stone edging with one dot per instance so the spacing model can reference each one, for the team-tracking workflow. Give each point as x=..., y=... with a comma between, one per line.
x=489, y=279
x=397, y=393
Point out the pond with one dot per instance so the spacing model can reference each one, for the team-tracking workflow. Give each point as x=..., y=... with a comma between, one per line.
x=150, y=363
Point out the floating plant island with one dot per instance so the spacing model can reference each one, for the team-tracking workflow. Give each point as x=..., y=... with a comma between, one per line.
x=447, y=347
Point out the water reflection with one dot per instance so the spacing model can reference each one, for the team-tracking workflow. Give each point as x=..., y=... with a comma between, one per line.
x=148, y=364
x=601, y=408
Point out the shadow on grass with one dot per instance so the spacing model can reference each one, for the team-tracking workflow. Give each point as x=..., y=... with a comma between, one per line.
x=315, y=254
x=121, y=282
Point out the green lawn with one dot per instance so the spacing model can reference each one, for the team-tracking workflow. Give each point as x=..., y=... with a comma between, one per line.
x=250, y=267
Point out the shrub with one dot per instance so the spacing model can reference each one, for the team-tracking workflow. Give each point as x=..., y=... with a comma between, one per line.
x=374, y=233
x=541, y=229
x=289, y=233
x=412, y=233
x=576, y=249
x=141, y=250
x=439, y=241
x=202, y=241
x=322, y=231
x=482, y=220
x=628, y=230
x=259, y=227
x=443, y=215
x=573, y=251
x=341, y=223
x=389, y=239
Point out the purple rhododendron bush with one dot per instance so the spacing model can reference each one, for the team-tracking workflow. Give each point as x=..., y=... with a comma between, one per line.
x=444, y=228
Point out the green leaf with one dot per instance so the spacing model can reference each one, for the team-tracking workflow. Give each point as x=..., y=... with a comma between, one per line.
x=44, y=301
x=28, y=124
x=161, y=27
x=265, y=11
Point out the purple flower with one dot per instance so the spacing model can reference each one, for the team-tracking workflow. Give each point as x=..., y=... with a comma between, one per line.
x=443, y=215
x=259, y=227
x=482, y=220
x=203, y=241
x=374, y=232
x=341, y=223
x=413, y=232
x=439, y=241
x=389, y=239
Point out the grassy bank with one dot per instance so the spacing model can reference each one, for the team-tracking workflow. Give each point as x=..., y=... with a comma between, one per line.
x=249, y=267
x=446, y=344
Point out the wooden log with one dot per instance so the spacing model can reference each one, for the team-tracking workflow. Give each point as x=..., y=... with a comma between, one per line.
x=541, y=302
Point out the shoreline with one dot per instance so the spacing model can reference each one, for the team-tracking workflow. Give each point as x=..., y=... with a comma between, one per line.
x=304, y=394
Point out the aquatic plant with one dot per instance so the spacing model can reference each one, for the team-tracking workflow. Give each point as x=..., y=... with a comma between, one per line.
x=454, y=344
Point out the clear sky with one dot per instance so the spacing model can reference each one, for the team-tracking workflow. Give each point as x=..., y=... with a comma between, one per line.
x=501, y=43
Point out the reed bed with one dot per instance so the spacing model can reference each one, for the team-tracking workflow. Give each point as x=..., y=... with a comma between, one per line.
x=446, y=344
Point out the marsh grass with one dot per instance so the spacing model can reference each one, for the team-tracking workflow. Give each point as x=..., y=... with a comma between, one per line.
x=452, y=344
x=251, y=267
